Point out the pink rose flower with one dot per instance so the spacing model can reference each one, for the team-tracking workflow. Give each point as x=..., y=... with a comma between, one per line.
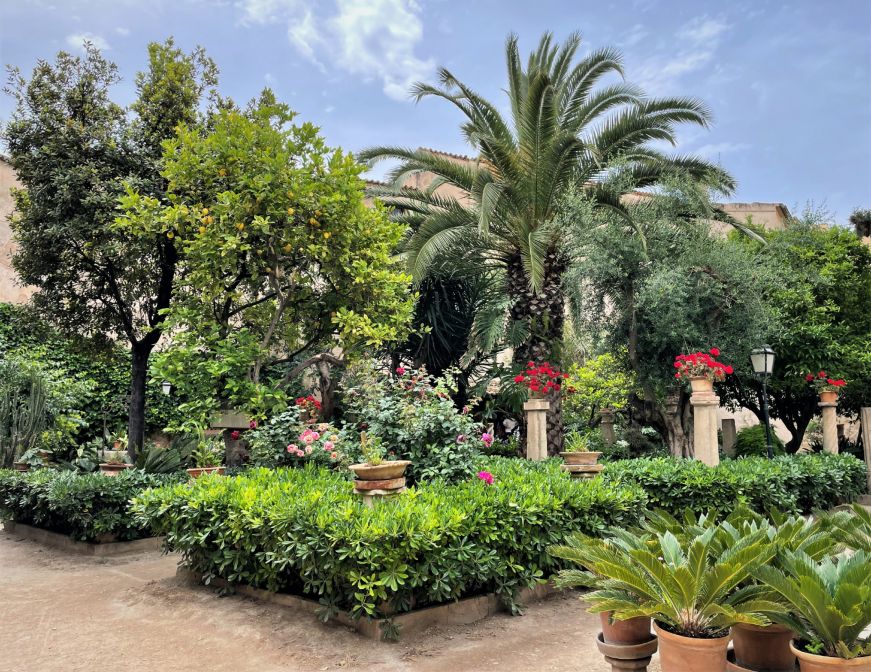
x=329, y=445
x=334, y=456
x=316, y=435
x=292, y=448
x=308, y=450
x=487, y=439
x=309, y=438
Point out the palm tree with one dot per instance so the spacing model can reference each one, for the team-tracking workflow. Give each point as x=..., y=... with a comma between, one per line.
x=565, y=132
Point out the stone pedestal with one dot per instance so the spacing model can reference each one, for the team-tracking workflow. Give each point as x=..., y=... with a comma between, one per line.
x=583, y=470
x=705, y=405
x=369, y=491
x=536, y=428
x=607, y=427
x=865, y=418
x=228, y=422
x=829, y=410
x=730, y=436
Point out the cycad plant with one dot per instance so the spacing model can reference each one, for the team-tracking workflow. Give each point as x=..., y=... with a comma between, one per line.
x=692, y=586
x=828, y=602
x=496, y=214
x=851, y=527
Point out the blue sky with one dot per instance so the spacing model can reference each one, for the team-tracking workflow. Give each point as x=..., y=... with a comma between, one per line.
x=789, y=82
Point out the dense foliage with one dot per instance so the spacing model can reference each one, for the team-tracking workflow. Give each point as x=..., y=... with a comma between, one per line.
x=794, y=483
x=303, y=531
x=752, y=441
x=87, y=507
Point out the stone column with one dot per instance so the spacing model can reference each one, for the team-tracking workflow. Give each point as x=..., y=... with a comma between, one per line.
x=865, y=416
x=536, y=428
x=730, y=436
x=830, y=425
x=705, y=406
x=607, y=427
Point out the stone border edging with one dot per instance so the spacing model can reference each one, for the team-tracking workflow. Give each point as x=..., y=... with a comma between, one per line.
x=463, y=612
x=64, y=543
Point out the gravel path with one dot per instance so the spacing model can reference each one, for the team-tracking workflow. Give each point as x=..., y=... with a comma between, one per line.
x=67, y=614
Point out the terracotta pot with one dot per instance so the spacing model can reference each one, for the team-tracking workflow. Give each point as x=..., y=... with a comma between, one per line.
x=701, y=384
x=809, y=662
x=381, y=472
x=691, y=654
x=828, y=397
x=589, y=457
x=631, y=631
x=21, y=466
x=627, y=657
x=114, y=469
x=763, y=649
x=196, y=472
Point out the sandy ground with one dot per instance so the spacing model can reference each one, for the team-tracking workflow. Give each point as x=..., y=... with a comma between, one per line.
x=65, y=614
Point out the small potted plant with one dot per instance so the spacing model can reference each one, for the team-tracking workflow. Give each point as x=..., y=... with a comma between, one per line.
x=577, y=450
x=702, y=370
x=114, y=462
x=828, y=606
x=828, y=388
x=119, y=442
x=207, y=458
x=374, y=467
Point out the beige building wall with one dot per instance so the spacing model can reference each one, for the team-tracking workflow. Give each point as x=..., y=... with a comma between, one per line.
x=10, y=290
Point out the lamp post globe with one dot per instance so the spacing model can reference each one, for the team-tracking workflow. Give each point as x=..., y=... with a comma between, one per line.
x=762, y=360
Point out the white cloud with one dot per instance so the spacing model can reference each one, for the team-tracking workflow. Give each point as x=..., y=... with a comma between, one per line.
x=373, y=39
x=77, y=41
x=703, y=30
x=637, y=33
x=122, y=31
x=714, y=150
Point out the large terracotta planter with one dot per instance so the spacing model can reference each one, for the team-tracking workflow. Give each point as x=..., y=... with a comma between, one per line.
x=701, y=384
x=828, y=397
x=382, y=472
x=809, y=662
x=196, y=472
x=763, y=649
x=630, y=631
x=589, y=457
x=691, y=654
x=113, y=469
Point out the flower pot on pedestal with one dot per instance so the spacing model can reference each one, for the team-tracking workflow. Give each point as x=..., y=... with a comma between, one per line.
x=828, y=396
x=701, y=384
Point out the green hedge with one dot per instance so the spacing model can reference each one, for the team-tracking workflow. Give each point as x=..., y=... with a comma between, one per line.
x=751, y=441
x=793, y=483
x=303, y=531
x=87, y=507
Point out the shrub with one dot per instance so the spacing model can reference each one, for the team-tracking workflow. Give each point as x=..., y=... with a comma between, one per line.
x=792, y=483
x=303, y=531
x=283, y=441
x=416, y=418
x=750, y=441
x=86, y=507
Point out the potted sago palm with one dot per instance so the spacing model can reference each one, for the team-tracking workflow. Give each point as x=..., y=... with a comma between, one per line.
x=374, y=466
x=828, y=605
x=689, y=586
x=702, y=370
x=577, y=450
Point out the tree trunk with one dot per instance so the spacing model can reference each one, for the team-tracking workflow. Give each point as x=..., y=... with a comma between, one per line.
x=544, y=315
x=136, y=415
x=327, y=389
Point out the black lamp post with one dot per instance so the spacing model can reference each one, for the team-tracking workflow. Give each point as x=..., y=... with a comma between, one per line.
x=763, y=365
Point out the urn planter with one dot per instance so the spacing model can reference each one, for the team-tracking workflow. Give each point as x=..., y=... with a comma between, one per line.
x=691, y=654
x=630, y=631
x=196, y=472
x=762, y=649
x=380, y=472
x=809, y=662
x=109, y=469
x=828, y=396
x=701, y=384
x=578, y=457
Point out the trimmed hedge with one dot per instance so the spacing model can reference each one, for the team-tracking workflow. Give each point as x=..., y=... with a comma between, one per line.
x=790, y=483
x=303, y=531
x=87, y=507
x=751, y=441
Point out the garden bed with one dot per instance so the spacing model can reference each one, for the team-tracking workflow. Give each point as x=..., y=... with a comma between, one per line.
x=99, y=548
x=462, y=612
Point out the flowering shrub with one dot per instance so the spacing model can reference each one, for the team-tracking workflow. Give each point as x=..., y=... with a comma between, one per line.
x=310, y=406
x=541, y=378
x=822, y=383
x=290, y=439
x=701, y=365
x=486, y=476
x=416, y=419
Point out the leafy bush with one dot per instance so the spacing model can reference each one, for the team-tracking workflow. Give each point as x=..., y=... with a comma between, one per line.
x=283, y=441
x=415, y=417
x=792, y=483
x=750, y=441
x=86, y=507
x=303, y=531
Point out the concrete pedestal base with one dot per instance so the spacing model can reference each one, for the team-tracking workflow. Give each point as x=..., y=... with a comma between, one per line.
x=705, y=405
x=370, y=491
x=536, y=428
x=829, y=410
x=582, y=470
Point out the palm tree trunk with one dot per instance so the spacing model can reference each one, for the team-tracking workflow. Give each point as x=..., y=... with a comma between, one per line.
x=544, y=314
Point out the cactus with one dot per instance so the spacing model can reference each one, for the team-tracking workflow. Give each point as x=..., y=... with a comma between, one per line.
x=23, y=412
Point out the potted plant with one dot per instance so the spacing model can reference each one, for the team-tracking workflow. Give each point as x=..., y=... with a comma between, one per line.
x=828, y=605
x=577, y=450
x=374, y=467
x=114, y=462
x=701, y=369
x=689, y=587
x=828, y=388
x=119, y=442
x=207, y=457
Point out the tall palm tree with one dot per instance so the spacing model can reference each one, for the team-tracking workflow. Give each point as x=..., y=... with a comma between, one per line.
x=565, y=132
